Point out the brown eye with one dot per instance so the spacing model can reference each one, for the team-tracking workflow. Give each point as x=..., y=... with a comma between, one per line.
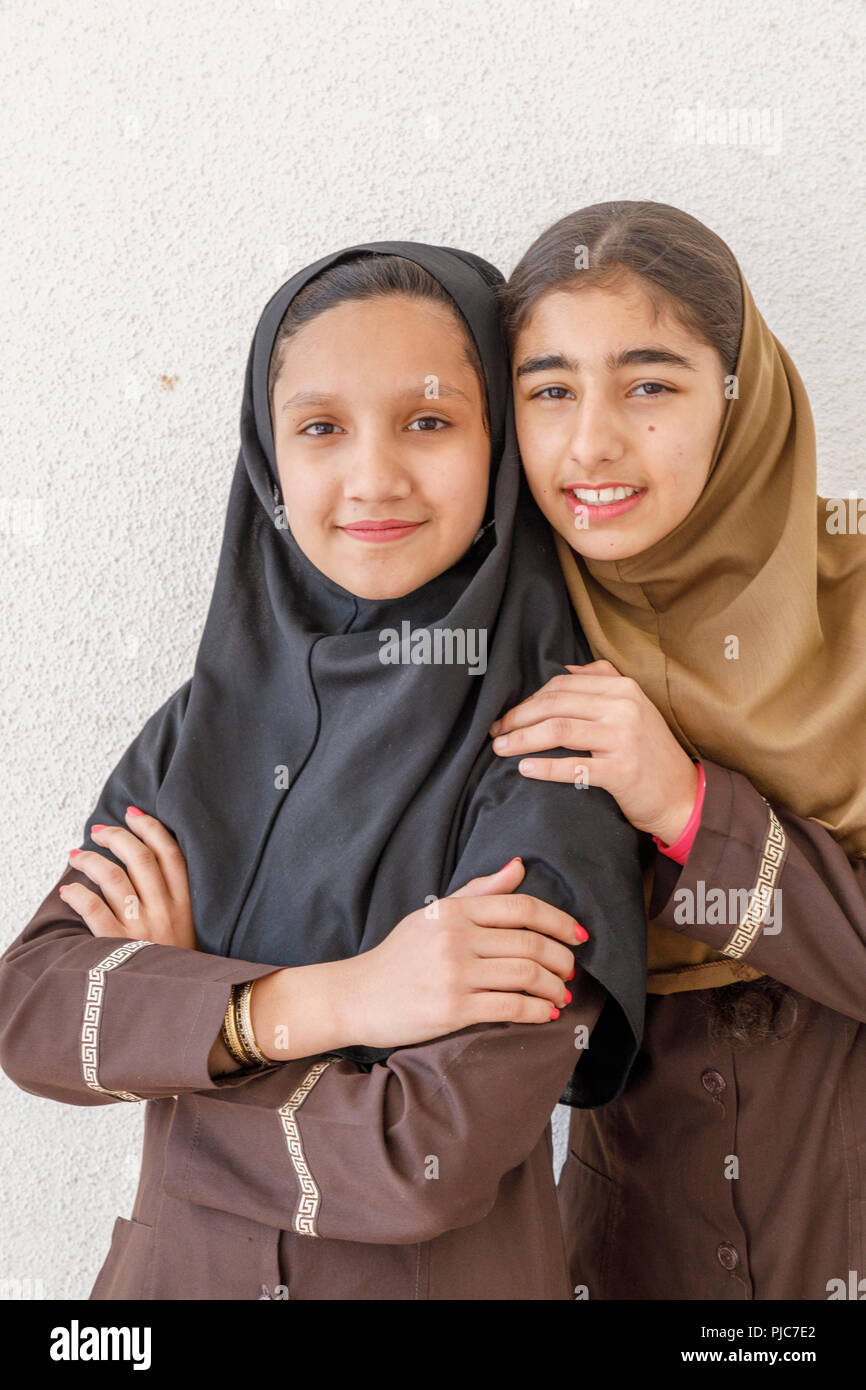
x=655, y=388
x=549, y=393
x=319, y=427
x=428, y=424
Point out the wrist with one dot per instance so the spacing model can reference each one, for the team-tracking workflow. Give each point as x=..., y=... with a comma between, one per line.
x=301, y=1011
x=673, y=825
x=332, y=997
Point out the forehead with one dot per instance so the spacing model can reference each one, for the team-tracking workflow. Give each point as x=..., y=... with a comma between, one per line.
x=623, y=306
x=610, y=313
x=390, y=326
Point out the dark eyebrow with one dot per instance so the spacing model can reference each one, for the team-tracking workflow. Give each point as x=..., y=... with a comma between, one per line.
x=629, y=357
x=646, y=356
x=410, y=393
x=549, y=362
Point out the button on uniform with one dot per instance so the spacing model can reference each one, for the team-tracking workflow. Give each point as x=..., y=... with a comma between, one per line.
x=714, y=1082
x=728, y=1255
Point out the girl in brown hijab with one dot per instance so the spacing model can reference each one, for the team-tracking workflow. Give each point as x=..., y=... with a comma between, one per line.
x=668, y=438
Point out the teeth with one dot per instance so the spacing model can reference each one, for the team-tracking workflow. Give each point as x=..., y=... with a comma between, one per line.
x=596, y=497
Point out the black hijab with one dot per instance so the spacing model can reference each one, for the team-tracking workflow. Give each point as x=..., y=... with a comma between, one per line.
x=319, y=795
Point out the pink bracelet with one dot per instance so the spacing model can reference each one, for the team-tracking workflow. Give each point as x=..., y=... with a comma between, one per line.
x=679, y=850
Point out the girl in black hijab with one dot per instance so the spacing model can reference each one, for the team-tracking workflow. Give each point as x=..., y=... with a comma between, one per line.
x=325, y=773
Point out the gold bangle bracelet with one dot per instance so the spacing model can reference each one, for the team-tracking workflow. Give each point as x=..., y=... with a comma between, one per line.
x=232, y=1047
x=244, y=1024
x=226, y=1042
x=229, y=1033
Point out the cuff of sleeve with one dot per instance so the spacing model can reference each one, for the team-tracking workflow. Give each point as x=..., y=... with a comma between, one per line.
x=184, y=1018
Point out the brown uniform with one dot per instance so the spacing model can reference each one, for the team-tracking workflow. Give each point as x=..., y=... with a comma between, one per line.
x=428, y=1176
x=738, y=1172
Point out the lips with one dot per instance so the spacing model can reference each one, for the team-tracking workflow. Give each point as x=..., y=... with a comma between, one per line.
x=602, y=502
x=603, y=496
x=390, y=529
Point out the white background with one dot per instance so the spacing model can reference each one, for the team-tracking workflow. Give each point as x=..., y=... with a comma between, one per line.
x=164, y=168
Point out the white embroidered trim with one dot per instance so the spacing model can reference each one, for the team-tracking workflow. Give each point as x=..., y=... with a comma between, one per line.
x=93, y=1016
x=308, y=1206
x=746, y=932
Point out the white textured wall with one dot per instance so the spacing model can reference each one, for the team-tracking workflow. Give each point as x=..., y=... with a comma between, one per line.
x=166, y=166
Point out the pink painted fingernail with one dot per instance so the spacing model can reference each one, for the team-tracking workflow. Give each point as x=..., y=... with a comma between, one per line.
x=554, y=1013
x=568, y=996
x=580, y=932
x=97, y=827
x=62, y=890
x=133, y=811
x=73, y=852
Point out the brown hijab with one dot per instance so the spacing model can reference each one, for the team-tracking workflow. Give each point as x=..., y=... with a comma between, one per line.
x=746, y=624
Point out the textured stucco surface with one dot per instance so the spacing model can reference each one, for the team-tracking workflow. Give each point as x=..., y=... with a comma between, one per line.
x=165, y=167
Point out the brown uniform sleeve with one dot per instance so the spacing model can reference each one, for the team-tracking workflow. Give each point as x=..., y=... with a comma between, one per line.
x=415, y=1146
x=791, y=903
x=91, y=1020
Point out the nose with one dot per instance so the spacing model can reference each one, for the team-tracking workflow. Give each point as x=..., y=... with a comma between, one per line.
x=596, y=438
x=375, y=471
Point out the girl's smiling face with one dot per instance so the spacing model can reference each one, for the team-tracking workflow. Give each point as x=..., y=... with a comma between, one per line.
x=381, y=445
x=618, y=411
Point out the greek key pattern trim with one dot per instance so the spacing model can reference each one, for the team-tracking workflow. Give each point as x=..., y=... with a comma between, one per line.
x=746, y=932
x=93, y=1016
x=308, y=1206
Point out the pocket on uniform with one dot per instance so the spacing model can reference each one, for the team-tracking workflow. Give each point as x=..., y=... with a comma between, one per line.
x=587, y=1205
x=124, y=1273
x=202, y=1253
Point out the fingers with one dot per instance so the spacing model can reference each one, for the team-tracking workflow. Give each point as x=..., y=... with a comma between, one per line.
x=154, y=861
x=557, y=732
x=165, y=848
x=505, y=880
x=577, y=771
x=521, y=911
x=520, y=975
x=486, y=1007
x=96, y=914
x=564, y=701
x=119, y=892
x=143, y=879
x=151, y=901
x=554, y=956
x=152, y=855
x=596, y=679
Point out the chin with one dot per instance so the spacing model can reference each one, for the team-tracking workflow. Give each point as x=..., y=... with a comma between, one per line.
x=600, y=547
x=384, y=588
x=610, y=549
x=376, y=594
